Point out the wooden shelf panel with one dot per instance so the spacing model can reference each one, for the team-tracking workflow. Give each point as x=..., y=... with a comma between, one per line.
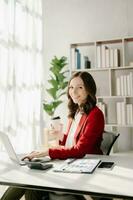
x=114, y=41
x=82, y=44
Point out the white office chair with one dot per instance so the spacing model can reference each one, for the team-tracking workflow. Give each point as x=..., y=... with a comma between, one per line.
x=109, y=138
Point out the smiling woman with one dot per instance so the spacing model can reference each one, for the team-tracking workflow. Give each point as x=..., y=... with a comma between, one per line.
x=21, y=71
x=83, y=135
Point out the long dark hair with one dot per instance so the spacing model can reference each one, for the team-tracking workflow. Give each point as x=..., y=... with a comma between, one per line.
x=90, y=87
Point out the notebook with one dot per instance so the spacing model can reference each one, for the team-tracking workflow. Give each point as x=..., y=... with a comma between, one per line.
x=17, y=157
x=78, y=165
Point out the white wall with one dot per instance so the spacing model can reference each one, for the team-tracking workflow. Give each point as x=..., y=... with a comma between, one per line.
x=70, y=21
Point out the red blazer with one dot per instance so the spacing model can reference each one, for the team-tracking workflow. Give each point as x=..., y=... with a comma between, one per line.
x=88, y=137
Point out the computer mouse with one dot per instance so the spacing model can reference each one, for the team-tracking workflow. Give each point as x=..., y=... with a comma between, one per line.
x=41, y=159
x=40, y=166
x=36, y=160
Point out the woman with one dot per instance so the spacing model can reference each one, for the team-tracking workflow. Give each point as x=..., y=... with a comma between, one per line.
x=83, y=135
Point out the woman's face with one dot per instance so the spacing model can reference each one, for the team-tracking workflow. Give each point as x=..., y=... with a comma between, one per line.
x=77, y=91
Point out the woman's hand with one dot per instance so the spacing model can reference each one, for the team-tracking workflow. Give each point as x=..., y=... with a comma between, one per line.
x=56, y=133
x=36, y=154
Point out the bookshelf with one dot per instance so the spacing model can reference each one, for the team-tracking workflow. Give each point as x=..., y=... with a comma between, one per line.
x=111, y=65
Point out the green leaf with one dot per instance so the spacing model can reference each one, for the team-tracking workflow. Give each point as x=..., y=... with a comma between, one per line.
x=57, y=103
x=57, y=82
x=63, y=85
x=54, y=83
x=49, y=109
x=52, y=92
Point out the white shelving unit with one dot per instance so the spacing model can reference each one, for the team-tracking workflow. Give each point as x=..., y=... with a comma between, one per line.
x=114, y=82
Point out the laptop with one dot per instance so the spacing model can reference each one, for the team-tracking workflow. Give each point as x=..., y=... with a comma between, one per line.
x=17, y=157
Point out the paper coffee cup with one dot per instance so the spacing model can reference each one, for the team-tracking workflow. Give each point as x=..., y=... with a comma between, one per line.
x=56, y=123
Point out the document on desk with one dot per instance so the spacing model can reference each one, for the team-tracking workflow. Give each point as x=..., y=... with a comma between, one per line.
x=78, y=166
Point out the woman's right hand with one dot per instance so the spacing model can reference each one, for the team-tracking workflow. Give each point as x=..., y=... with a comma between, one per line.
x=36, y=154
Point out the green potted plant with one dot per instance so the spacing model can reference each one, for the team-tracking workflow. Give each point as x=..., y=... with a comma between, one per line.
x=58, y=83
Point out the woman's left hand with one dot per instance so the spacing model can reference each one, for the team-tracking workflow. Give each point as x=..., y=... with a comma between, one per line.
x=57, y=132
x=36, y=154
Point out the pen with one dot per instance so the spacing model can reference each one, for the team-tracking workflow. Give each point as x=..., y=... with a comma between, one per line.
x=69, y=161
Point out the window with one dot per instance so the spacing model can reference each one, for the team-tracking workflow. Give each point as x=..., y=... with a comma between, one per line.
x=21, y=72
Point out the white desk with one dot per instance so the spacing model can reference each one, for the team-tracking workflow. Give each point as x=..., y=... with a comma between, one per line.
x=112, y=183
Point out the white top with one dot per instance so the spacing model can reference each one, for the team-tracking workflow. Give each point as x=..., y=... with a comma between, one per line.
x=74, y=125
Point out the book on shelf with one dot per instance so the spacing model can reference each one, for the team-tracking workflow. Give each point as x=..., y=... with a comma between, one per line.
x=102, y=107
x=118, y=86
x=131, y=83
x=78, y=58
x=87, y=63
x=118, y=112
x=121, y=112
x=103, y=48
x=107, y=57
x=116, y=57
x=128, y=85
x=111, y=54
x=73, y=59
x=98, y=54
x=124, y=113
x=129, y=109
x=124, y=85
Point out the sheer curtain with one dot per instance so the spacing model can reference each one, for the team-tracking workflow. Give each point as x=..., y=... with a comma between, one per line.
x=21, y=73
